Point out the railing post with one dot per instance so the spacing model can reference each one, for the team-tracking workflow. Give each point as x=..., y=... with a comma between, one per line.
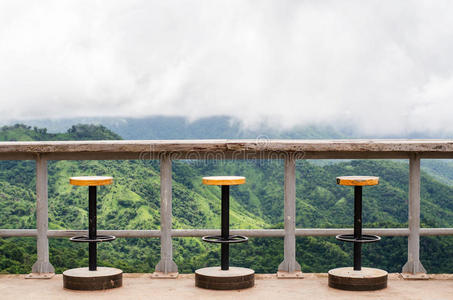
x=289, y=268
x=413, y=265
x=166, y=266
x=42, y=268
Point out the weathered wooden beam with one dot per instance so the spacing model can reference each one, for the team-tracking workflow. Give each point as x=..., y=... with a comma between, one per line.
x=153, y=146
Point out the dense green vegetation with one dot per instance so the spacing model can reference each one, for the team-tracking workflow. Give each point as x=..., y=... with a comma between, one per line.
x=21, y=132
x=132, y=202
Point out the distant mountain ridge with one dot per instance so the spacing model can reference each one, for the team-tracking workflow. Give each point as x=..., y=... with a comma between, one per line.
x=164, y=127
x=215, y=127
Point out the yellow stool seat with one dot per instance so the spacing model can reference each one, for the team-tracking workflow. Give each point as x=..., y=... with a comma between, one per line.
x=358, y=180
x=223, y=180
x=91, y=180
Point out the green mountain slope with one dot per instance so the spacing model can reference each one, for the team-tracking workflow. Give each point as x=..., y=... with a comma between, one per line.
x=132, y=202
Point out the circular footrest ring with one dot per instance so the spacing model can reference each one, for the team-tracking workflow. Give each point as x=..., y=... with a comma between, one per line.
x=98, y=239
x=231, y=239
x=366, y=238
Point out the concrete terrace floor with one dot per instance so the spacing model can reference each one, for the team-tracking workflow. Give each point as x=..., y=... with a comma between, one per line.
x=141, y=286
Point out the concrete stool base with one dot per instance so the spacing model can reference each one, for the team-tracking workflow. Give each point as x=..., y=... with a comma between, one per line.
x=101, y=279
x=367, y=279
x=216, y=279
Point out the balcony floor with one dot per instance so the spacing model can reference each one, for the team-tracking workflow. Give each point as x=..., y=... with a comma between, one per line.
x=140, y=286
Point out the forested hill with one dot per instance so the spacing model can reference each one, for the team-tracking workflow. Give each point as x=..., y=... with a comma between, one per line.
x=132, y=202
x=79, y=132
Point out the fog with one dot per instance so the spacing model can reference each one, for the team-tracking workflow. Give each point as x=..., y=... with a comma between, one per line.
x=381, y=67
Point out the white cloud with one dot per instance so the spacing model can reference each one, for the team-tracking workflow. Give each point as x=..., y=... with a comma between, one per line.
x=380, y=66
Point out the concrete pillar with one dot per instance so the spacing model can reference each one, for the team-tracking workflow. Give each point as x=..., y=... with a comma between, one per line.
x=42, y=268
x=289, y=264
x=413, y=265
x=166, y=264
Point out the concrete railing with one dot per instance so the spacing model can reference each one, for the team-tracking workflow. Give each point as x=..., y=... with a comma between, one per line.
x=287, y=150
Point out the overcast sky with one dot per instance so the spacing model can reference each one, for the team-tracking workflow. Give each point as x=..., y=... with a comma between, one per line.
x=380, y=66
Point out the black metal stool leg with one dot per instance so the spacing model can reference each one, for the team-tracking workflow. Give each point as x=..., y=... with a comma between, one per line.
x=357, y=227
x=225, y=247
x=92, y=259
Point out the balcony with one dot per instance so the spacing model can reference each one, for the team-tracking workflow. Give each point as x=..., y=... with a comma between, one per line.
x=287, y=150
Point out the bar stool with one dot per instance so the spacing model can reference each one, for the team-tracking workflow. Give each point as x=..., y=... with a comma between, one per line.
x=93, y=277
x=225, y=277
x=358, y=278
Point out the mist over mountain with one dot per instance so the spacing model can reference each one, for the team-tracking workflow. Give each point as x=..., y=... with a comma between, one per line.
x=381, y=68
x=215, y=127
